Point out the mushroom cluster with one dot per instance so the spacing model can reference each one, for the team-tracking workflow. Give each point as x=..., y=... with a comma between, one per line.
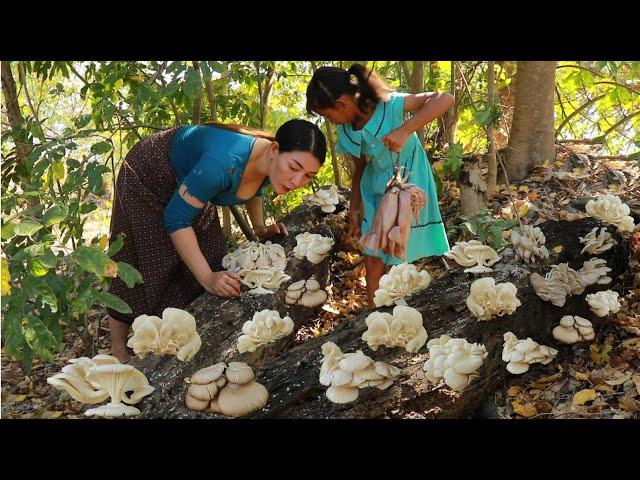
x=254, y=255
x=266, y=326
x=260, y=279
x=305, y=292
x=402, y=329
x=226, y=389
x=173, y=334
x=487, y=299
x=402, y=281
x=596, y=243
x=473, y=253
x=594, y=271
x=561, y=281
x=312, y=246
x=346, y=373
x=573, y=329
x=118, y=380
x=529, y=244
x=520, y=354
x=604, y=302
x=400, y=206
x=453, y=360
x=73, y=379
x=325, y=198
x=610, y=209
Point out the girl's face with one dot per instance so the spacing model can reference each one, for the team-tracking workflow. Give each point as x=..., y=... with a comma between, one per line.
x=342, y=112
x=292, y=170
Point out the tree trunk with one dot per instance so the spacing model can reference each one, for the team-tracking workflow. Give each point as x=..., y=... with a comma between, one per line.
x=23, y=146
x=197, y=102
x=450, y=126
x=289, y=369
x=532, y=135
x=417, y=86
x=491, y=150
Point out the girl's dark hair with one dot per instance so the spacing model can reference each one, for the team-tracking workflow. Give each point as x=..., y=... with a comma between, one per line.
x=299, y=135
x=293, y=136
x=329, y=83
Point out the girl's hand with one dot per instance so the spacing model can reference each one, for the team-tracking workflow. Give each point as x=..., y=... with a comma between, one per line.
x=222, y=284
x=395, y=139
x=263, y=232
x=355, y=218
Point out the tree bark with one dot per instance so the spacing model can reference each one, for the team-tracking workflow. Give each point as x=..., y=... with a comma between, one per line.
x=531, y=140
x=492, y=172
x=23, y=146
x=290, y=369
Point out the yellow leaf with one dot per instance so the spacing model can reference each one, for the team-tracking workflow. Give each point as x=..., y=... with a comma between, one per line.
x=619, y=380
x=558, y=249
x=437, y=166
x=581, y=376
x=524, y=209
x=583, y=396
x=523, y=188
x=104, y=242
x=56, y=415
x=111, y=270
x=513, y=391
x=526, y=410
x=636, y=380
x=6, y=277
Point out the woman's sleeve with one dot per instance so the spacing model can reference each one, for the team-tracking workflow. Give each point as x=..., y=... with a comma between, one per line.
x=206, y=179
x=397, y=107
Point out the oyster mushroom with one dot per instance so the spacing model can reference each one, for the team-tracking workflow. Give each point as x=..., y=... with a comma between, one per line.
x=117, y=380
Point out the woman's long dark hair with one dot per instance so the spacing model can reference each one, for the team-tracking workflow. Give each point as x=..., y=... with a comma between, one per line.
x=330, y=83
x=295, y=135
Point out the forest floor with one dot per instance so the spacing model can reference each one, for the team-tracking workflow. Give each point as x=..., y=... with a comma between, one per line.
x=602, y=380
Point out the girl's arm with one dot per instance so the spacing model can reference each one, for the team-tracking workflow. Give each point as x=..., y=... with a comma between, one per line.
x=355, y=202
x=256, y=215
x=427, y=106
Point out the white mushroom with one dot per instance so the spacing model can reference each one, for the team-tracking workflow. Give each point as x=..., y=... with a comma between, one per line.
x=346, y=373
x=174, y=334
x=453, y=360
x=236, y=399
x=472, y=253
x=604, y=302
x=520, y=354
x=597, y=243
x=573, y=329
x=313, y=246
x=207, y=375
x=529, y=244
x=326, y=198
x=238, y=372
x=266, y=326
x=610, y=209
x=561, y=281
x=487, y=299
x=402, y=329
x=402, y=281
x=254, y=255
x=73, y=379
x=593, y=271
x=307, y=293
x=119, y=379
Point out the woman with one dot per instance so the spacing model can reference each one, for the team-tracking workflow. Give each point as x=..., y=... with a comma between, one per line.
x=165, y=200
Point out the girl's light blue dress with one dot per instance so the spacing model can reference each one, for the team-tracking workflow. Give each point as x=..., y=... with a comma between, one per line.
x=427, y=237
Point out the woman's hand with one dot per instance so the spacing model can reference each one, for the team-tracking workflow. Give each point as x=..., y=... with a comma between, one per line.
x=267, y=231
x=395, y=139
x=222, y=284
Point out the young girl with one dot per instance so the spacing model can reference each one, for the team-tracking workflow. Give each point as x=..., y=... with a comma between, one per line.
x=372, y=128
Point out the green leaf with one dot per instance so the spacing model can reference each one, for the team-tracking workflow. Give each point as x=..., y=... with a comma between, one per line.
x=36, y=249
x=129, y=274
x=84, y=301
x=55, y=214
x=35, y=267
x=83, y=120
x=95, y=261
x=116, y=246
x=58, y=170
x=40, y=339
x=101, y=147
x=8, y=231
x=109, y=300
x=48, y=295
x=192, y=84
x=49, y=259
x=27, y=227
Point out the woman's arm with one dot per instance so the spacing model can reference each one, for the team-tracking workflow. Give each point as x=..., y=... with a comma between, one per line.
x=427, y=106
x=355, y=202
x=256, y=215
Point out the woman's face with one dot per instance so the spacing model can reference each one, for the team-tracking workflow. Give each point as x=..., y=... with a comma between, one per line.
x=292, y=170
